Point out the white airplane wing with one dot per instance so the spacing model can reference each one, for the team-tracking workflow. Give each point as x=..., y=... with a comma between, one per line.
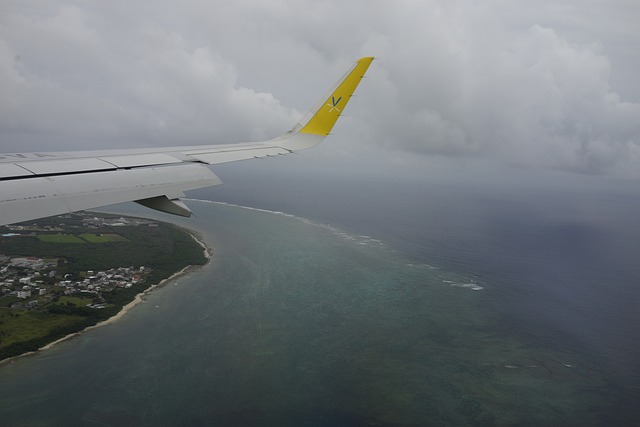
x=37, y=185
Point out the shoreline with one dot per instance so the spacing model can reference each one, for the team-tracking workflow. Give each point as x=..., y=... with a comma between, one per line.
x=206, y=251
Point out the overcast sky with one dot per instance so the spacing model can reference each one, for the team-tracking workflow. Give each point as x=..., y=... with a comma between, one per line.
x=546, y=85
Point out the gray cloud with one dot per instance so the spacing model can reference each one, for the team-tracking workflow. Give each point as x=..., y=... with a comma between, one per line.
x=476, y=87
x=549, y=85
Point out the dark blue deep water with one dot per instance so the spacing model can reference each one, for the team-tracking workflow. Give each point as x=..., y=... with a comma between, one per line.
x=386, y=305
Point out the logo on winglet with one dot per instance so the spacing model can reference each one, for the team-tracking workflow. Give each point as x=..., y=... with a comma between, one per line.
x=334, y=104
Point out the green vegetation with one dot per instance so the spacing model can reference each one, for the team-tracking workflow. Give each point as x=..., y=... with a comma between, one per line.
x=59, y=238
x=79, y=301
x=7, y=301
x=18, y=326
x=102, y=238
x=162, y=248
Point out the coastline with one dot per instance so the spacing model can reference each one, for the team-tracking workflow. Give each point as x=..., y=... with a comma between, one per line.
x=206, y=251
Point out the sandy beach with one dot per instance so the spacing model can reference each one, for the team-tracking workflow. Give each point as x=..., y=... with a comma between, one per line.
x=137, y=300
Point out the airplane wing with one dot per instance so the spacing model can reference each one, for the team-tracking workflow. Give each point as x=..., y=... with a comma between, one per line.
x=37, y=185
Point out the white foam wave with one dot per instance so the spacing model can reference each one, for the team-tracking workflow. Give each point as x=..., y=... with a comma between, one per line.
x=360, y=239
x=473, y=286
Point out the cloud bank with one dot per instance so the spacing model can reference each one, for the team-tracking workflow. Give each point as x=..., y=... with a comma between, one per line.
x=551, y=86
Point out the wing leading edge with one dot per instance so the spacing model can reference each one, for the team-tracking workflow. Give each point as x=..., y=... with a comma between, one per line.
x=37, y=185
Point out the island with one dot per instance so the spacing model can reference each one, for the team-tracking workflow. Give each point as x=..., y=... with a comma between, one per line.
x=64, y=274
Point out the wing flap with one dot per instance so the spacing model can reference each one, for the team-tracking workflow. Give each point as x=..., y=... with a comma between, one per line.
x=9, y=170
x=46, y=196
x=52, y=167
x=140, y=160
x=216, y=157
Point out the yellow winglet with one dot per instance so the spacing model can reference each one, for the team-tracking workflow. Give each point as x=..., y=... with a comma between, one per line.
x=326, y=116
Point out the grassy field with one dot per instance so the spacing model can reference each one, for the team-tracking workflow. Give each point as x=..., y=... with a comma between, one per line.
x=19, y=326
x=103, y=238
x=82, y=238
x=60, y=238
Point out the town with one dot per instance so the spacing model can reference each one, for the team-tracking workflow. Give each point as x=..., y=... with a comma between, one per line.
x=27, y=283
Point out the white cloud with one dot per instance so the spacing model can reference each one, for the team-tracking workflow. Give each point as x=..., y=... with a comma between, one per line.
x=550, y=85
x=527, y=97
x=138, y=85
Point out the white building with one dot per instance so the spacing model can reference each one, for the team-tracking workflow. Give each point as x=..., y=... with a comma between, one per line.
x=24, y=294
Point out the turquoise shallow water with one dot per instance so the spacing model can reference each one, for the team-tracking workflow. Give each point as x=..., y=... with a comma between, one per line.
x=295, y=323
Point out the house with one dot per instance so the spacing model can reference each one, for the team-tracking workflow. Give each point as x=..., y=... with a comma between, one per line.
x=23, y=294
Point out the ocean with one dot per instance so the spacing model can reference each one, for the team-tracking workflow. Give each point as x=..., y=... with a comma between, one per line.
x=341, y=305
